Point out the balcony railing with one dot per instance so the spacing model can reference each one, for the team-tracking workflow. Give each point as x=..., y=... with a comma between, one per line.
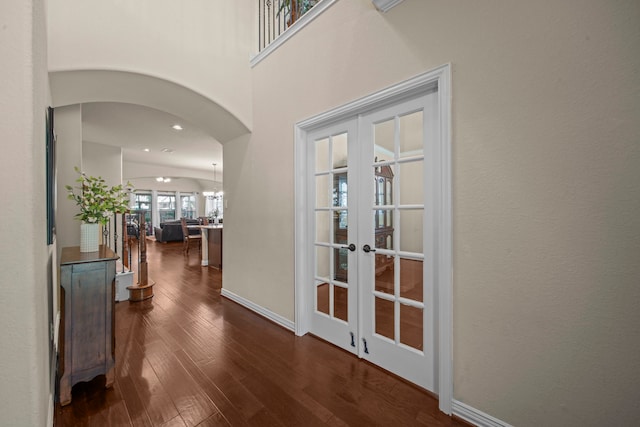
x=275, y=16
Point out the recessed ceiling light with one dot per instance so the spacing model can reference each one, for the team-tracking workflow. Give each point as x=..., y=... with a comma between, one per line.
x=167, y=150
x=177, y=127
x=159, y=179
x=146, y=150
x=167, y=180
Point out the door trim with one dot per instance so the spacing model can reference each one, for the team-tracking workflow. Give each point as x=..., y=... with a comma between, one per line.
x=440, y=77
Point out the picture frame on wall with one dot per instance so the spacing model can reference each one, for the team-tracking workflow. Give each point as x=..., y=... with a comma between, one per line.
x=51, y=173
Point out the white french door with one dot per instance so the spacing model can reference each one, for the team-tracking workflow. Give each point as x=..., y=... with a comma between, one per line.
x=371, y=208
x=396, y=275
x=331, y=212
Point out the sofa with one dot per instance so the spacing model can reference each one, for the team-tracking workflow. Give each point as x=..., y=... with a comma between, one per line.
x=171, y=231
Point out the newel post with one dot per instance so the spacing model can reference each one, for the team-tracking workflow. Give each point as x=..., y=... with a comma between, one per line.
x=144, y=289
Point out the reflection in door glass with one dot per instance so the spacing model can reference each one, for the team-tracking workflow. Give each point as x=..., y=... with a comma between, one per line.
x=411, y=188
x=340, y=300
x=322, y=191
x=411, y=230
x=384, y=140
x=384, y=318
x=383, y=223
x=322, y=298
x=384, y=274
x=411, y=135
x=339, y=192
x=339, y=151
x=341, y=267
x=322, y=262
x=340, y=225
x=411, y=326
x=322, y=226
x=383, y=185
x=411, y=279
x=322, y=155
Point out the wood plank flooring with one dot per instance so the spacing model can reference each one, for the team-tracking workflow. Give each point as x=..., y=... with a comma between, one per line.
x=188, y=357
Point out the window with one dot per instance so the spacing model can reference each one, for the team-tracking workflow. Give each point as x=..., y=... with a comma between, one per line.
x=188, y=205
x=213, y=203
x=166, y=207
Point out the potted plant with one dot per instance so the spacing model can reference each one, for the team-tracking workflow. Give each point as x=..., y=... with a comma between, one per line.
x=97, y=202
x=294, y=9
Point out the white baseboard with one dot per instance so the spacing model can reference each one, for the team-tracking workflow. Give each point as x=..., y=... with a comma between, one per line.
x=274, y=317
x=50, y=411
x=476, y=417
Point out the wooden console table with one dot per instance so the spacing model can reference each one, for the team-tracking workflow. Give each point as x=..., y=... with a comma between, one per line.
x=87, y=333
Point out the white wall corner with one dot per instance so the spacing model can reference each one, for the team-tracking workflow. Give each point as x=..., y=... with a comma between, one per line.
x=385, y=5
x=274, y=317
x=476, y=417
x=50, y=410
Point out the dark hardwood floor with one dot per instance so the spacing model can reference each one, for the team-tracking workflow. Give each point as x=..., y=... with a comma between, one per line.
x=188, y=357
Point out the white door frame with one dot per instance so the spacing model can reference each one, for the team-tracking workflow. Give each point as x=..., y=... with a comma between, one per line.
x=441, y=77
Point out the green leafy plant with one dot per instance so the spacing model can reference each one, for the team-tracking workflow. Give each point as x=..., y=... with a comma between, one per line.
x=97, y=201
x=294, y=9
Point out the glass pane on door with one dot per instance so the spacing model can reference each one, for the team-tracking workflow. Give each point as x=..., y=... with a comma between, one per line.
x=322, y=262
x=383, y=185
x=411, y=325
x=411, y=230
x=322, y=297
x=322, y=154
x=341, y=303
x=322, y=191
x=384, y=320
x=339, y=193
x=411, y=175
x=410, y=131
x=323, y=232
x=339, y=151
x=411, y=281
x=341, y=264
x=384, y=274
x=384, y=140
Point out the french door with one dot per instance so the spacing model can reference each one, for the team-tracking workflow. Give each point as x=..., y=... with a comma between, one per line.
x=332, y=213
x=371, y=209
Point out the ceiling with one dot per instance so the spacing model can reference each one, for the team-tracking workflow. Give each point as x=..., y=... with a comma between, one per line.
x=136, y=128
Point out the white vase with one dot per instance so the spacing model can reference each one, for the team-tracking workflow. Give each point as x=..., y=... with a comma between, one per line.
x=89, y=237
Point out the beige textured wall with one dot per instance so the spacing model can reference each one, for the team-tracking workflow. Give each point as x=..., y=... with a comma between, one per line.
x=25, y=258
x=200, y=44
x=546, y=187
x=102, y=160
x=68, y=127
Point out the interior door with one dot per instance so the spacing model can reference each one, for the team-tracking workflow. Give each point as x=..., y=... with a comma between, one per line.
x=373, y=214
x=396, y=229
x=333, y=213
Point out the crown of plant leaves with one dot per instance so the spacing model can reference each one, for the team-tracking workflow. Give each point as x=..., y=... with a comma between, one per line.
x=97, y=201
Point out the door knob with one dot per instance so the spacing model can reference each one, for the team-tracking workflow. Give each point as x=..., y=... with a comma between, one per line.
x=351, y=247
x=368, y=249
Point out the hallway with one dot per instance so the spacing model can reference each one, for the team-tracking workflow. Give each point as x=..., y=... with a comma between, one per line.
x=190, y=357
